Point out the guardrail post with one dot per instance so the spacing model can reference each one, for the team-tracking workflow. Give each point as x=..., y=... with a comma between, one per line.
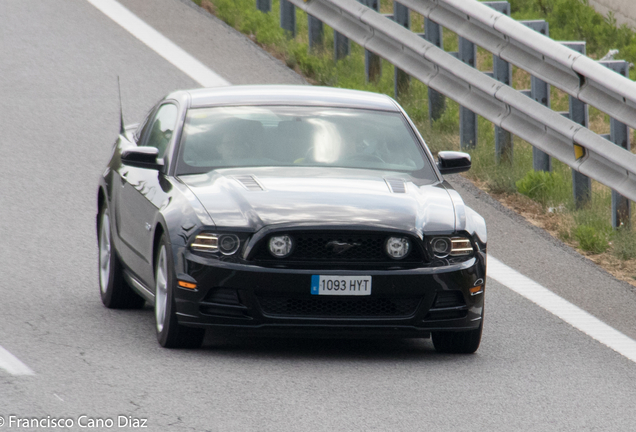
x=581, y=184
x=579, y=113
x=341, y=46
x=619, y=135
x=316, y=32
x=540, y=92
x=264, y=5
x=288, y=17
x=433, y=33
x=502, y=72
x=372, y=62
x=467, y=119
x=401, y=79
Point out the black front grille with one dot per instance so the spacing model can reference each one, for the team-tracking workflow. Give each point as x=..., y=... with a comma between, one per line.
x=339, y=307
x=323, y=247
x=339, y=247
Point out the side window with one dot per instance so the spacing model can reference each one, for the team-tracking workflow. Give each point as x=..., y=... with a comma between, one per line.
x=158, y=132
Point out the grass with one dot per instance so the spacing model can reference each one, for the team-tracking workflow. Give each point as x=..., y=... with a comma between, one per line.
x=587, y=228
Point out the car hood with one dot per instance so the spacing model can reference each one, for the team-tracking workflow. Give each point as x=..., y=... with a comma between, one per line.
x=253, y=198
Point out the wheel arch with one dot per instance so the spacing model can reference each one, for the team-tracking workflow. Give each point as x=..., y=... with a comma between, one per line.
x=101, y=202
x=159, y=231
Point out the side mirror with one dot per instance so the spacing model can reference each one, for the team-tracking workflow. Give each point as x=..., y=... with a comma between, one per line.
x=452, y=162
x=141, y=157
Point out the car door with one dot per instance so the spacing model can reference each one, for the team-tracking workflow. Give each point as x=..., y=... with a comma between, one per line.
x=141, y=194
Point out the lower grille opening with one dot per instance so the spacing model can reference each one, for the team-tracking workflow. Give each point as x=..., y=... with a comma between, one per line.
x=223, y=296
x=339, y=307
x=223, y=302
x=447, y=305
x=447, y=299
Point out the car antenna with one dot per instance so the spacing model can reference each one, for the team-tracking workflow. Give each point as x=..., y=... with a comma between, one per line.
x=122, y=130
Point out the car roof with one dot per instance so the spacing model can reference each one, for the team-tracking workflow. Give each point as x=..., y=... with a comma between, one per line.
x=290, y=95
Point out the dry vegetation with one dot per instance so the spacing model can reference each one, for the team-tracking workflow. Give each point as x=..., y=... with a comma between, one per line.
x=559, y=225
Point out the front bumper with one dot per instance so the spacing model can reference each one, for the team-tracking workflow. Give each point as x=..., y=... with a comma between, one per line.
x=404, y=303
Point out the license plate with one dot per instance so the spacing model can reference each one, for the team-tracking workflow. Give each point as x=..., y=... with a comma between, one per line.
x=341, y=285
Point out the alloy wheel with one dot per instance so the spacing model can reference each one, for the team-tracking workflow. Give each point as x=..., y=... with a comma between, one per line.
x=161, y=291
x=104, y=253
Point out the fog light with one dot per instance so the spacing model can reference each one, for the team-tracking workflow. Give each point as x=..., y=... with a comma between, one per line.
x=228, y=244
x=280, y=246
x=441, y=247
x=397, y=247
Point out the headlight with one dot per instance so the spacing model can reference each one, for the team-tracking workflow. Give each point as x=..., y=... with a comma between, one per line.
x=397, y=247
x=205, y=242
x=281, y=246
x=441, y=247
x=461, y=246
x=227, y=244
x=453, y=246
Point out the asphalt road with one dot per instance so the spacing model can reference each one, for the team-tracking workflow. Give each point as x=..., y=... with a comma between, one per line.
x=59, y=62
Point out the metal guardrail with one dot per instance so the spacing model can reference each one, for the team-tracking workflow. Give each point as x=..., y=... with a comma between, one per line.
x=502, y=105
x=544, y=58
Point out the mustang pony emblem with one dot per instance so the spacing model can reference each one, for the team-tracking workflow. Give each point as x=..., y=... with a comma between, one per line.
x=340, y=247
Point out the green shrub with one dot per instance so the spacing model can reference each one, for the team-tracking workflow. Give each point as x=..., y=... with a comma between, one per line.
x=590, y=239
x=597, y=213
x=543, y=187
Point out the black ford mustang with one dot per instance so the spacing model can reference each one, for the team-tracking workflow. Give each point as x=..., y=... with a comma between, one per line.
x=298, y=210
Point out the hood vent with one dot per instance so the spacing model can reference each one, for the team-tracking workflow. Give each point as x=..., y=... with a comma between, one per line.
x=249, y=182
x=396, y=185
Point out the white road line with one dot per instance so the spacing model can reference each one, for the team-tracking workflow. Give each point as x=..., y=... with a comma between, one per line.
x=159, y=43
x=12, y=364
x=562, y=308
x=503, y=274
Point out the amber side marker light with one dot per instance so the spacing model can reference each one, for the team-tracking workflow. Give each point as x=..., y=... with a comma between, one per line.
x=476, y=290
x=189, y=285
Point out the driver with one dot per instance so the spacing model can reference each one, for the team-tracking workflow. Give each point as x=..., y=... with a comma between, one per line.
x=232, y=146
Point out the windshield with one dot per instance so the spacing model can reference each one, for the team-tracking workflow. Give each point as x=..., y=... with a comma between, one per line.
x=222, y=137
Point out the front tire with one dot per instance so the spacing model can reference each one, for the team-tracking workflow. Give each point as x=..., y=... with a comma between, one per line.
x=462, y=342
x=113, y=289
x=170, y=334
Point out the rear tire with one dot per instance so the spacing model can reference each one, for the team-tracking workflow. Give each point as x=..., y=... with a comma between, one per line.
x=170, y=334
x=462, y=342
x=113, y=289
